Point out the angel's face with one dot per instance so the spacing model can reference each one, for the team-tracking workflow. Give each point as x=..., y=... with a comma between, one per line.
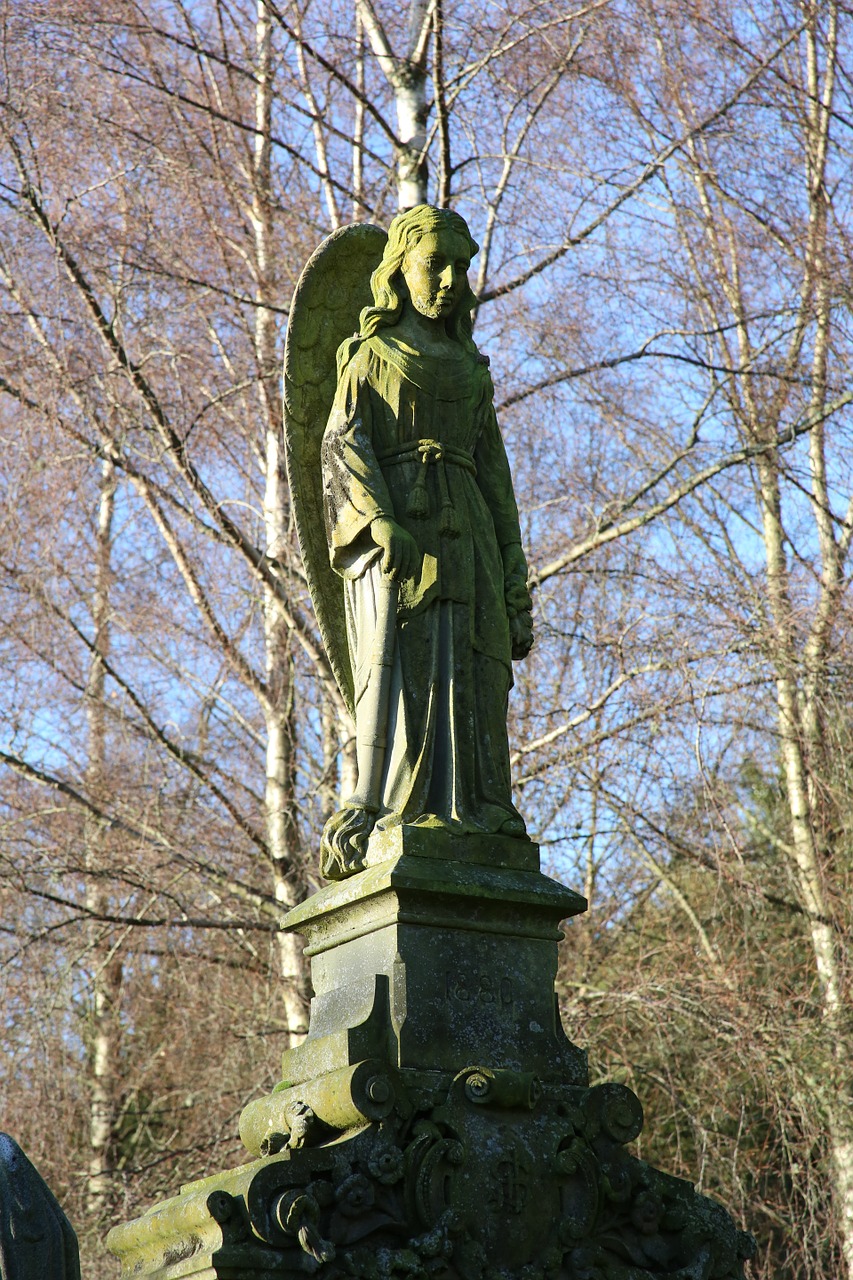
x=435, y=270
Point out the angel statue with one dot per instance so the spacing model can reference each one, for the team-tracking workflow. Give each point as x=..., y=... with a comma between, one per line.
x=417, y=574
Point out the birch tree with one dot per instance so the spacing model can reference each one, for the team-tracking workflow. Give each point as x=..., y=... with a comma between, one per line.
x=280, y=715
x=105, y=951
x=797, y=632
x=762, y=257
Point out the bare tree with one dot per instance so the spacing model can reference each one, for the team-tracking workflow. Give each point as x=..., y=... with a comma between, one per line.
x=105, y=950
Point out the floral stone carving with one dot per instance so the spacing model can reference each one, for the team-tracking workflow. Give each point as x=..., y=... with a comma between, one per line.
x=375, y=1160
x=490, y=1173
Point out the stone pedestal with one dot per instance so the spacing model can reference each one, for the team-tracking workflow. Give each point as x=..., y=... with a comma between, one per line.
x=437, y=1120
x=463, y=954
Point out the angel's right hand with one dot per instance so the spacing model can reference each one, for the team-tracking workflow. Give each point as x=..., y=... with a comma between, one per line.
x=400, y=555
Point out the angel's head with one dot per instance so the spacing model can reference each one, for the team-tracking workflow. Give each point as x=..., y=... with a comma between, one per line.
x=406, y=271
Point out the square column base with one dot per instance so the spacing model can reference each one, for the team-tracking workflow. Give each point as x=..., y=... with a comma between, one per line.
x=430, y=963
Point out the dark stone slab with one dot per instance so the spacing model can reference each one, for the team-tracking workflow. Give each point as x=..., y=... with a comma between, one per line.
x=37, y=1241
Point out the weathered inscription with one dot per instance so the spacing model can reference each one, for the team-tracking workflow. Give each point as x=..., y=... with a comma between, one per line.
x=478, y=988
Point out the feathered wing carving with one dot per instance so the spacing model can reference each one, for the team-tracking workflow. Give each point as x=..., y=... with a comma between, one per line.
x=333, y=288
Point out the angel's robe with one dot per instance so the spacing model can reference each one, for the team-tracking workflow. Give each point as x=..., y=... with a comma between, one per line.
x=414, y=438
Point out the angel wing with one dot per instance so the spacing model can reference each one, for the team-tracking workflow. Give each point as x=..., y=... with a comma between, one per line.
x=333, y=288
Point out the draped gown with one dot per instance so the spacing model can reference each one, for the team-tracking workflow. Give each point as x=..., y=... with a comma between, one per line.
x=414, y=438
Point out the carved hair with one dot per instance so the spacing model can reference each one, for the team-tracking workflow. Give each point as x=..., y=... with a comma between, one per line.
x=386, y=282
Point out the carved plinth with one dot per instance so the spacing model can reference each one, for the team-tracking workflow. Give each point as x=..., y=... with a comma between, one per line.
x=437, y=1121
x=430, y=964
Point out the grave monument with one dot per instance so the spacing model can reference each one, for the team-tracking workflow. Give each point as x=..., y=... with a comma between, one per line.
x=436, y=1121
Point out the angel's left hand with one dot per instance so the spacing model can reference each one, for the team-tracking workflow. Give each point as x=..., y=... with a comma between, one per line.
x=521, y=634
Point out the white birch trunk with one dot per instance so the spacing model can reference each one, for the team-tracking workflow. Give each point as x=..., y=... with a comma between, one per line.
x=802, y=748
x=807, y=770
x=358, y=208
x=281, y=827
x=407, y=77
x=411, y=104
x=841, y=1144
x=106, y=965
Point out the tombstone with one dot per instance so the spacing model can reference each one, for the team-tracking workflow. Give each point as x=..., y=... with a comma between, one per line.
x=436, y=1121
x=37, y=1241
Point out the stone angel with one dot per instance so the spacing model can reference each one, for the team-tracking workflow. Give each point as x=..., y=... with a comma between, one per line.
x=409, y=529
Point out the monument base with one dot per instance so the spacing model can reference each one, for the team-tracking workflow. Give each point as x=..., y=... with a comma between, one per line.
x=437, y=1121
